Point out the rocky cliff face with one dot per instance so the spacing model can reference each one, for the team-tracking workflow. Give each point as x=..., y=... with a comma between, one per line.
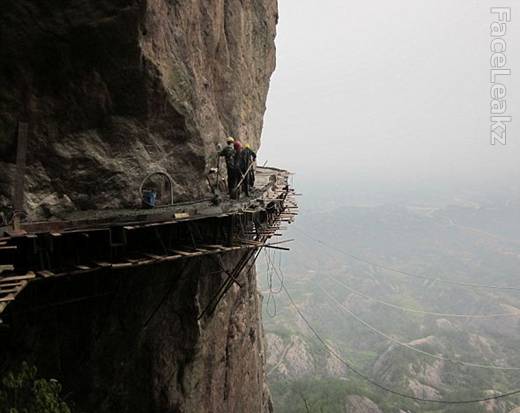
x=114, y=90
x=130, y=342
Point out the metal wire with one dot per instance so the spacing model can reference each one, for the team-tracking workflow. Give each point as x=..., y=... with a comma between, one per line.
x=409, y=274
x=347, y=364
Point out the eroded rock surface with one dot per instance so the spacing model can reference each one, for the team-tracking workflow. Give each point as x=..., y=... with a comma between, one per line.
x=114, y=90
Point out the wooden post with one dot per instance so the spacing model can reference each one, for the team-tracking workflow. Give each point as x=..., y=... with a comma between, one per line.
x=19, y=184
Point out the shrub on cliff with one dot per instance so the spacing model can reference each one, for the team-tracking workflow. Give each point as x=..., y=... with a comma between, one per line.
x=22, y=392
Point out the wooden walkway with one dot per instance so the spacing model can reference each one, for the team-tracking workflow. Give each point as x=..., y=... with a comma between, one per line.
x=119, y=240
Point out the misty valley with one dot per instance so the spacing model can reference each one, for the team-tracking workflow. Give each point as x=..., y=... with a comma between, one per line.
x=405, y=293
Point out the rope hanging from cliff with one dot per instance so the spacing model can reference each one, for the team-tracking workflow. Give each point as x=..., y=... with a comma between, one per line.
x=366, y=378
x=270, y=296
x=272, y=293
x=409, y=274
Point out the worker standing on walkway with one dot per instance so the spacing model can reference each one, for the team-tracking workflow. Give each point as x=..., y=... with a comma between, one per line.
x=238, y=167
x=249, y=158
x=229, y=154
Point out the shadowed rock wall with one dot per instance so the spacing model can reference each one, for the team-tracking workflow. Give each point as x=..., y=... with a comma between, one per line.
x=130, y=342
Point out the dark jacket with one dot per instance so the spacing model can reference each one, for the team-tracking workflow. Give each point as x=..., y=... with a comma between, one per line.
x=249, y=155
x=229, y=153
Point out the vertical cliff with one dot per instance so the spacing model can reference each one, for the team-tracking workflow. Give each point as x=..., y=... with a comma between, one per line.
x=131, y=342
x=116, y=89
x=113, y=90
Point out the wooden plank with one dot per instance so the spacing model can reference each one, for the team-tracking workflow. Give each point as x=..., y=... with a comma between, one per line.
x=103, y=264
x=10, y=285
x=122, y=265
x=181, y=215
x=45, y=274
x=137, y=262
x=201, y=250
x=9, y=291
x=28, y=276
x=147, y=262
x=214, y=246
x=19, y=287
x=153, y=224
x=185, y=253
x=171, y=257
x=153, y=256
x=10, y=297
x=276, y=247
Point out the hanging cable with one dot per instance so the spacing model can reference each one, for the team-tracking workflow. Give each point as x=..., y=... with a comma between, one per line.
x=270, y=298
x=347, y=364
x=408, y=346
x=408, y=274
x=272, y=293
x=423, y=312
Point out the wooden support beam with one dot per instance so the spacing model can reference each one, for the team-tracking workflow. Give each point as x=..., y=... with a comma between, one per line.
x=103, y=264
x=154, y=256
x=187, y=253
x=172, y=257
x=10, y=297
x=120, y=265
x=8, y=291
x=276, y=247
x=10, y=285
x=29, y=276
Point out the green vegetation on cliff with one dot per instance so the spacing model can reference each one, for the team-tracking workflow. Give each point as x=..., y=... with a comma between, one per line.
x=21, y=391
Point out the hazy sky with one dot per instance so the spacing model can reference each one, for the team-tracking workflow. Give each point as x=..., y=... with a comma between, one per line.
x=390, y=92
